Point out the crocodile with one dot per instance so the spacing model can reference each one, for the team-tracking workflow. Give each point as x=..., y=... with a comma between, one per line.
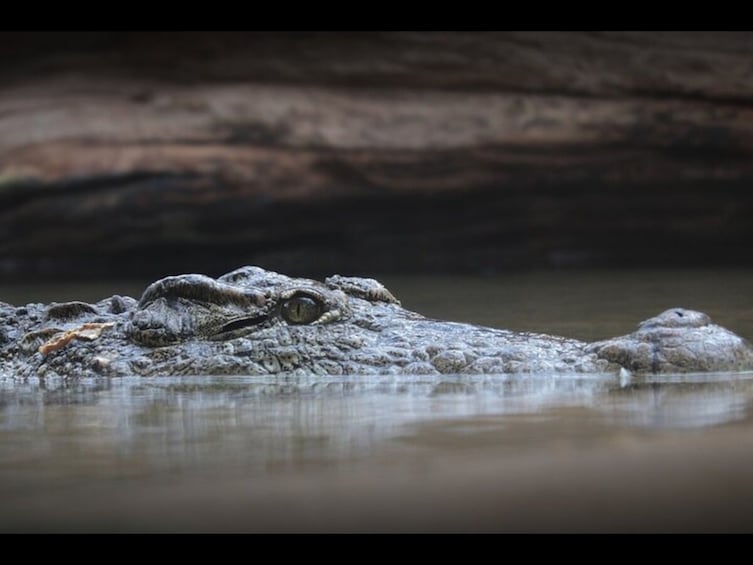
x=257, y=322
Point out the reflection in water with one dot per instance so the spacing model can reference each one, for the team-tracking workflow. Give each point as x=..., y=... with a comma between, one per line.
x=683, y=404
x=251, y=422
x=133, y=454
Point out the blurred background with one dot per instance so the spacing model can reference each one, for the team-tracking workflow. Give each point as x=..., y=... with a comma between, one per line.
x=147, y=154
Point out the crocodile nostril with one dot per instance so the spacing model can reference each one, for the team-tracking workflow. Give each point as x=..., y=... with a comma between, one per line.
x=679, y=313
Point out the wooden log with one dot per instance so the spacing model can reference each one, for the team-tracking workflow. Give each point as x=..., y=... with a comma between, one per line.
x=146, y=154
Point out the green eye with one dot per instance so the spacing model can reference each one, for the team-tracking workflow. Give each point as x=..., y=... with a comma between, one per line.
x=301, y=309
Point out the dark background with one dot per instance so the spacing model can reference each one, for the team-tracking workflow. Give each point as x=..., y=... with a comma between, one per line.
x=147, y=154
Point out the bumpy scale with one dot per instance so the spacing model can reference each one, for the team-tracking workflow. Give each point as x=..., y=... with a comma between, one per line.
x=256, y=322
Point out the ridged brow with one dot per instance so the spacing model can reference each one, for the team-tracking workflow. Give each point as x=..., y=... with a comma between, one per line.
x=201, y=288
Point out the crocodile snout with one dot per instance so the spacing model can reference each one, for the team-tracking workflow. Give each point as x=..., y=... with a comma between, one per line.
x=677, y=341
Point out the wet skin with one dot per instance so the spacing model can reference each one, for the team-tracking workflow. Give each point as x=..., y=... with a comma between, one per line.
x=256, y=322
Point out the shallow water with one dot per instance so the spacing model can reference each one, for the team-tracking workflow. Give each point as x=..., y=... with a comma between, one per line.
x=487, y=453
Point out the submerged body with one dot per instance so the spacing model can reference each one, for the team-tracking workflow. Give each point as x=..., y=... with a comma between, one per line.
x=256, y=322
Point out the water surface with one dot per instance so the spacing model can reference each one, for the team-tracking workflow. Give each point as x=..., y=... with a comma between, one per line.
x=405, y=453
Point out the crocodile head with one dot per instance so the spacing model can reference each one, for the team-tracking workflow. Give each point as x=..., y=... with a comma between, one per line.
x=255, y=322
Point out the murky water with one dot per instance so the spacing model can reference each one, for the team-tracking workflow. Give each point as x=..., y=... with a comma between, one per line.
x=486, y=453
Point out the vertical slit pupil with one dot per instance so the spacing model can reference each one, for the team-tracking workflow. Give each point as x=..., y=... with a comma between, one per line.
x=301, y=309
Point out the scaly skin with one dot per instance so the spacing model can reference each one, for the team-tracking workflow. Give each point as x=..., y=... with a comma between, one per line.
x=256, y=322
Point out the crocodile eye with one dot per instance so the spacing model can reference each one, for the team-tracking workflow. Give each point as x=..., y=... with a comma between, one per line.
x=301, y=309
